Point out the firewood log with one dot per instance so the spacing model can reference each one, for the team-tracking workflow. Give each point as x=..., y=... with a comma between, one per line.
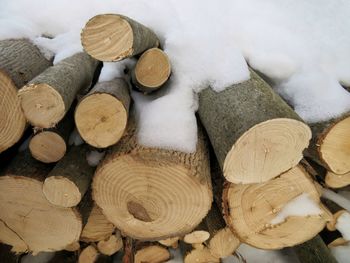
x=256, y=136
x=150, y=253
x=113, y=37
x=172, y=242
x=337, y=180
x=330, y=145
x=152, y=70
x=101, y=116
x=46, y=99
x=111, y=245
x=70, y=179
x=152, y=193
x=249, y=210
x=31, y=222
x=20, y=61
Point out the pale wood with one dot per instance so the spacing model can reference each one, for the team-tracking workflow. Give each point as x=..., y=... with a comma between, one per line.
x=200, y=256
x=255, y=135
x=152, y=70
x=88, y=255
x=333, y=180
x=97, y=227
x=47, y=98
x=153, y=194
x=50, y=145
x=26, y=212
x=338, y=242
x=331, y=225
x=70, y=179
x=172, y=242
x=101, y=116
x=152, y=254
x=249, y=209
x=75, y=246
x=20, y=61
x=199, y=235
x=113, y=37
x=330, y=145
x=111, y=245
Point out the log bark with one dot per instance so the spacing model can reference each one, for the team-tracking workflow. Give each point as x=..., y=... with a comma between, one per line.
x=152, y=70
x=50, y=145
x=314, y=251
x=113, y=37
x=47, y=98
x=250, y=209
x=157, y=193
x=330, y=146
x=70, y=179
x=255, y=134
x=32, y=223
x=198, y=236
x=20, y=61
x=101, y=116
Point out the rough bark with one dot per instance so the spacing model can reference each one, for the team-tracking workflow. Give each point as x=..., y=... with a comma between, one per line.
x=70, y=179
x=128, y=37
x=46, y=99
x=20, y=61
x=232, y=113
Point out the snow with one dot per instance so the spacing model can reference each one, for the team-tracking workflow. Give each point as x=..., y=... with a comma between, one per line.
x=74, y=138
x=301, y=205
x=343, y=225
x=94, y=157
x=341, y=253
x=302, y=46
x=339, y=199
x=41, y=257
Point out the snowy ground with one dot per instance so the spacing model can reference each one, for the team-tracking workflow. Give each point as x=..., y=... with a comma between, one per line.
x=302, y=45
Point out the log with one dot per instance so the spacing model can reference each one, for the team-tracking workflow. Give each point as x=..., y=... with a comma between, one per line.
x=50, y=145
x=172, y=242
x=88, y=255
x=46, y=99
x=111, y=245
x=249, y=210
x=198, y=255
x=151, y=253
x=152, y=70
x=20, y=61
x=113, y=37
x=101, y=116
x=330, y=146
x=73, y=247
x=70, y=179
x=128, y=256
x=150, y=193
x=334, y=180
x=314, y=251
x=199, y=235
x=33, y=223
x=97, y=227
x=256, y=136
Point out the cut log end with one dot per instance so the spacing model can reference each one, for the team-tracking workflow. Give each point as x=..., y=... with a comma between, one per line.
x=38, y=224
x=110, y=246
x=196, y=237
x=266, y=150
x=200, y=256
x=47, y=147
x=88, y=255
x=334, y=147
x=42, y=105
x=249, y=210
x=152, y=254
x=337, y=180
x=101, y=119
x=108, y=37
x=61, y=191
x=223, y=243
x=12, y=121
x=152, y=70
x=155, y=207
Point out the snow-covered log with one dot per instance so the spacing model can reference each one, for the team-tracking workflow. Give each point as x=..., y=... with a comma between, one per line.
x=152, y=70
x=152, y=193
x=256, y=136
x=113, y=37
x=101, y=116
x=20, y=62
x=47, y=98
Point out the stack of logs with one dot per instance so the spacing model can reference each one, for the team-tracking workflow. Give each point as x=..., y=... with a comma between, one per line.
x=142, y=200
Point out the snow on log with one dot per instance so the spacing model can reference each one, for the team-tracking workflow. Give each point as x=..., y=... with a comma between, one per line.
x=152, y=70
x=256, y=136
x=20, y=61
x=330, y=144
x=250, y=209
x=113, y=37
x=50, y=145
x=70, y=179
x=26, y=213
x=46, y=99
x=152, y=193
x=101, y=116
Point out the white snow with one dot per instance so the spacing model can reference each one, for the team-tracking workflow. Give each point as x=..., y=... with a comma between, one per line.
x=339, y=199
x=41, y=257
x=94, y=157
x=343, y=225
x=303, y=46
x=341, y=253
x=301, y=205
x=75, y=138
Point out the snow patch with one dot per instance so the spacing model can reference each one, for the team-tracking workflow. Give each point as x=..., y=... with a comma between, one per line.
x=112, y=70
x=336, y=198
x=341, y=253
x=94, y=157
x=75, y=138
x=301, y=205
x=343, y=225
